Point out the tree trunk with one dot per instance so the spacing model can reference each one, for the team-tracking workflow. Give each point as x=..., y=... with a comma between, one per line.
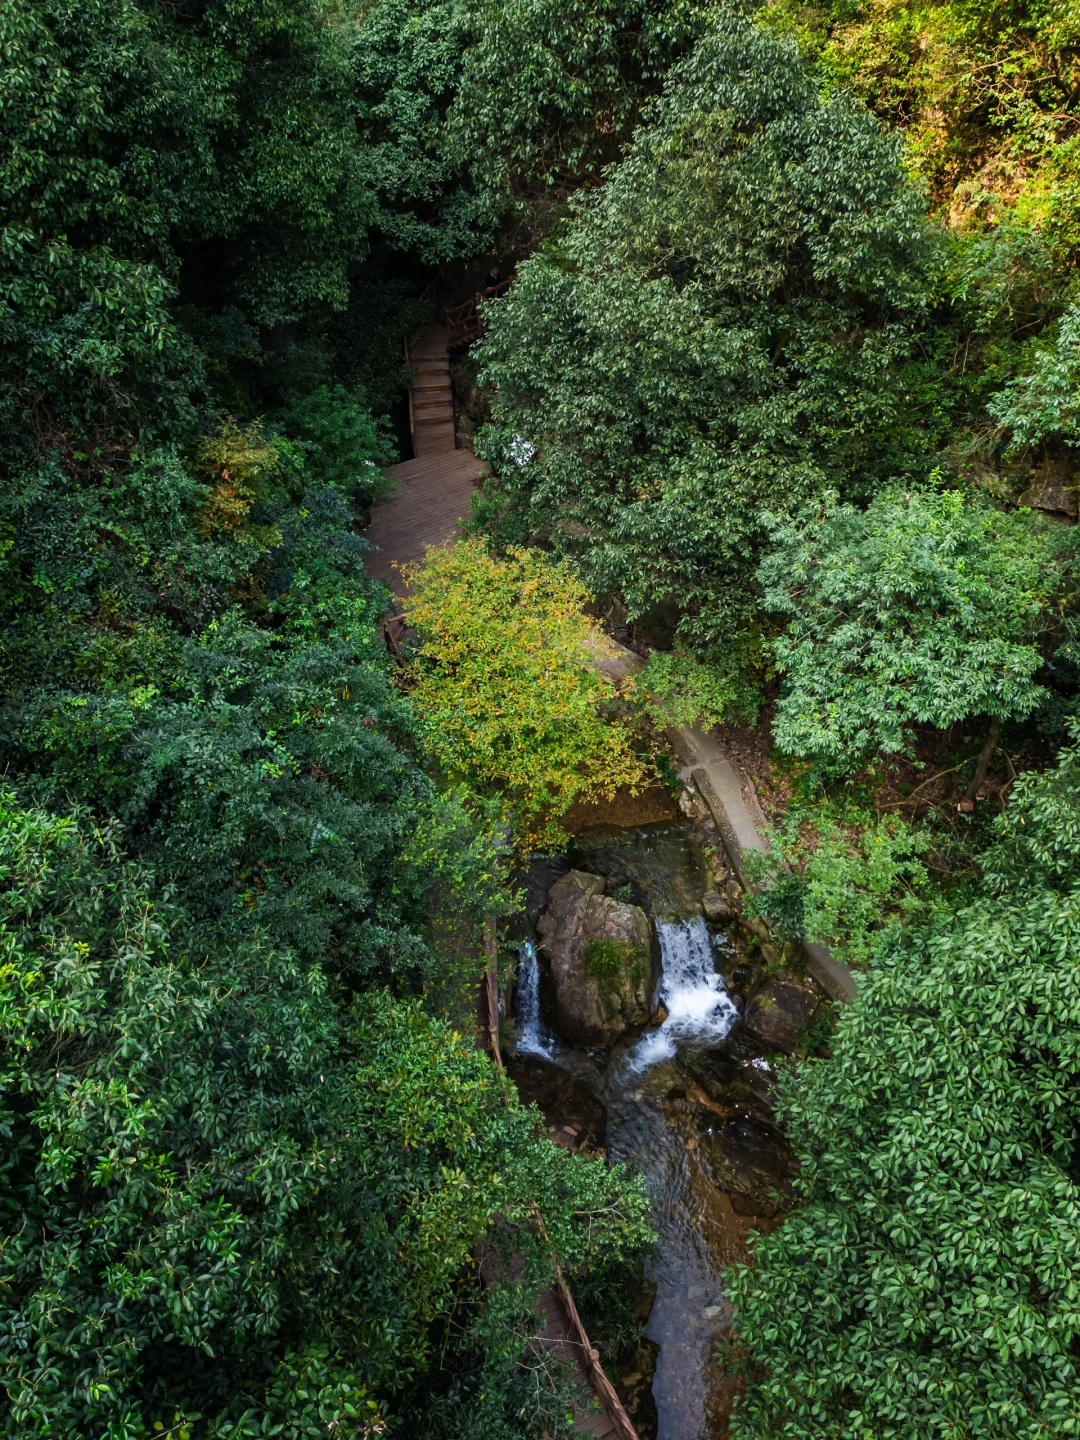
x=986, y=754
x=491, y=989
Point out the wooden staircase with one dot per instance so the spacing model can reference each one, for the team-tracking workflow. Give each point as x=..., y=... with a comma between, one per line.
x=431, y=400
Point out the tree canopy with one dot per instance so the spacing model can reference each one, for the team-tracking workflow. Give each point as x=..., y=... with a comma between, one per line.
x=718, y=335
x=507, y=688
x=200, y=1214
x=787, y=380
x=927, y=1285
x=923, y=608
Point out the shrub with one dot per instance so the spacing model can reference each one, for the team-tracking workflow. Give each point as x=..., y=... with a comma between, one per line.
x=676, y=689
x=928, y=1283
x=924, y=608
x=836, y=875
x=507, y=690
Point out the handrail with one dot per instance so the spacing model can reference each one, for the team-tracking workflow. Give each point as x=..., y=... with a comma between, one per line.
x=408, y=362
x=600, y=1384
x=464, y=320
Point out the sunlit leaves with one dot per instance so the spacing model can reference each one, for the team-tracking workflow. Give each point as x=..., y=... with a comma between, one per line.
x=507, y=692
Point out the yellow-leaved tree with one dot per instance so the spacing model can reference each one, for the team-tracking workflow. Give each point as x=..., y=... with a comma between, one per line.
x=506, y=685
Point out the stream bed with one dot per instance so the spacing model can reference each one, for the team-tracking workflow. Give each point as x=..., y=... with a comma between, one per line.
x=678, y=1109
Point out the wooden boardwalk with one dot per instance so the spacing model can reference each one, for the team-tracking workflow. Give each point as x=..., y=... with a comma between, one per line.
x=565, y=1335
x=433, y=493
x=434, y=490
x=431, y=397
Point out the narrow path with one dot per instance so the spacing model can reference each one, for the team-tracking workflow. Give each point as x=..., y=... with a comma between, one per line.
x=564, y=1336
x=434, y=492
x=431, y=399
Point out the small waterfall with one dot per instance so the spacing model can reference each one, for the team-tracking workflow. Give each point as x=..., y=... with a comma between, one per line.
x=533, y=1036
x=698, y=1006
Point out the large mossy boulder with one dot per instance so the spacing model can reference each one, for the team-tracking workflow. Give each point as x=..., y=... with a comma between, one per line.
x=600, y=953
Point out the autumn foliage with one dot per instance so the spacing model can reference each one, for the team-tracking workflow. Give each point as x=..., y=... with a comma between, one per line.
x=506, y=687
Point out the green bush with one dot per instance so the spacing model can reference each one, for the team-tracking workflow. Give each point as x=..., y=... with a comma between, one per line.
x=718, y=334
x=835, y=875
x=342, y=444
x=925, y=608
x=606, y=959
x=199, y=1207
x=676, y=689
x=927, y=1284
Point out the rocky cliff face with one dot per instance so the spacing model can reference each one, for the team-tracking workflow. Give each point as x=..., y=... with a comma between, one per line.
x=601, y=956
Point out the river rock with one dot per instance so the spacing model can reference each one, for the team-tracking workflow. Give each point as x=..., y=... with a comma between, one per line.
x=600, y=953
x=778, y=1015
x=715, y=906
x=753, y=1163
x=573, y=1113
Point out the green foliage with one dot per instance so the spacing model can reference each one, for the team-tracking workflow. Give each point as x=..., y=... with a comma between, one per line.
x=836, y=875
x=245, y=1187
x=466, y=107
x=606, y=959
x=408, y=58
x=923, y=608
x=676, y=689
x=138, y=141
x=551, y=92
x=986, y=96
x=927, y=1285
x=199, y=1176
x=507, y=690
x=342, y=444
x=718, y=335
x=1045, y=401
x=257, y=757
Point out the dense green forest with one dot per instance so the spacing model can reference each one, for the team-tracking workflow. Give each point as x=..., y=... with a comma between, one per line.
x=789, y=380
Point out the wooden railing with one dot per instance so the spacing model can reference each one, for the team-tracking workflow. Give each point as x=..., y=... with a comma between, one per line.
x=464, y=322
x=588, y=1358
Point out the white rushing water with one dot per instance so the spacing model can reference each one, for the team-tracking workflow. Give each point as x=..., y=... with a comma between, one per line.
x=533, y=1036
x=699, y=1008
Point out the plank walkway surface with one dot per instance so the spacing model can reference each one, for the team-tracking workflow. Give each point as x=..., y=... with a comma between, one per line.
x=431, y=397
x=558, y=1335
x=433, y=493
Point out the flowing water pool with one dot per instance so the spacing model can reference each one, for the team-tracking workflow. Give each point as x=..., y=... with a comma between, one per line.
x=659, y=1119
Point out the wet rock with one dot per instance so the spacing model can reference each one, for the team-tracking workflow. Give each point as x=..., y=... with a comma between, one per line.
x=572, y=1112
x=714, y=1071
x=689, y=804
x=753, y=1163
x=742, y=978
x=715, y=906
x=600, y=952
x=634, y=1385
x=778, y=1015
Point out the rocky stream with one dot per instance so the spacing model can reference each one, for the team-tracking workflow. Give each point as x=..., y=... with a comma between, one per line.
x=647, y=1022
